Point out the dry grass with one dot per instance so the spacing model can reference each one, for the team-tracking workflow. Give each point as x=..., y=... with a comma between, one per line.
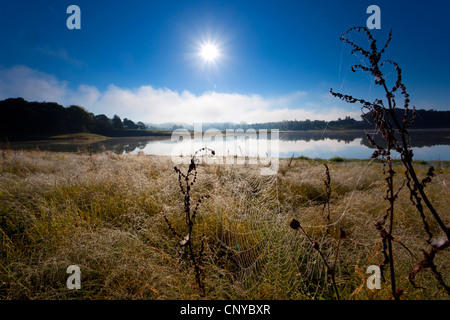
x=103, y=213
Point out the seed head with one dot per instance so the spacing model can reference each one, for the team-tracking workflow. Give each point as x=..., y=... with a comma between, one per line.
x=294, y=224
x=342, y=234
x=315, y=245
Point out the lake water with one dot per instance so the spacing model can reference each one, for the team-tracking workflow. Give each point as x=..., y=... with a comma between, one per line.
x=427, y=145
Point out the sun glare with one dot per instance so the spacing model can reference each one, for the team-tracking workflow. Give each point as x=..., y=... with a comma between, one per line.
x=209, y=52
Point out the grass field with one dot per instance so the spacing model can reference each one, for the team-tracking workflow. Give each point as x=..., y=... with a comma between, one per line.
x=103, y=213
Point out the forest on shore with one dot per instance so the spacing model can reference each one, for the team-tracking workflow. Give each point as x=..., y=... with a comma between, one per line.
x=23, y=120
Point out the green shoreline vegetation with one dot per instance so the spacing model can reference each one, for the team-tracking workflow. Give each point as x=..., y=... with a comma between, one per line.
x=102, y=212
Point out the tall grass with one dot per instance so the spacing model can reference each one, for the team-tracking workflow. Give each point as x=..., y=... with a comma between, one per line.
x=103, y=213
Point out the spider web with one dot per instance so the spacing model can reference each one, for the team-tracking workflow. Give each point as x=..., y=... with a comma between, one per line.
x=266, y=254
x=263, y=250
x=255, y=232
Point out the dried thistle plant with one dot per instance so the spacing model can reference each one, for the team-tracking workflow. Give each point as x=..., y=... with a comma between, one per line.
x=331, y=269
x=186, y=182
x=394, y=130
x=295, y=224
x=290, y=160
x=327, y=183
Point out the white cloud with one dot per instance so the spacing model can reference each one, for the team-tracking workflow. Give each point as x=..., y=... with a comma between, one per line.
x=33, y=85
x=84, y=96
x=159, y=105
x=21, y=81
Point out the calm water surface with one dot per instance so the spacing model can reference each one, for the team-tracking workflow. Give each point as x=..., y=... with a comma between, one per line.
x=427, y=145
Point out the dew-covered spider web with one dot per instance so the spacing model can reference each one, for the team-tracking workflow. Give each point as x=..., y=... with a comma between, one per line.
x=262, y=251
x=265, y=255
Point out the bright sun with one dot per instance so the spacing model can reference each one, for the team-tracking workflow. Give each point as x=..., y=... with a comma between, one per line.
x=209, y=52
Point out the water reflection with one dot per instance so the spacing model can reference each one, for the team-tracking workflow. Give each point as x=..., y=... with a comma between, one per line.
x=427, y=145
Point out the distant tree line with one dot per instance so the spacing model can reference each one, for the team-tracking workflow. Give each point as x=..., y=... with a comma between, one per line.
x=20, y=118
x=302, y=125
x=425, y=119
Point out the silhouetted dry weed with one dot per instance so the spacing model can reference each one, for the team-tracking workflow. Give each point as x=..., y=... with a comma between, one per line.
x=395, y=134
x=186, y=181
x=295, y=224
x=331, y=269
x=328, y=192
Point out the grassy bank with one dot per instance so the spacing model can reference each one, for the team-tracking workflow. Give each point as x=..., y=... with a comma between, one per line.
x=79, y=137
x=85, y=136
x=103, y=213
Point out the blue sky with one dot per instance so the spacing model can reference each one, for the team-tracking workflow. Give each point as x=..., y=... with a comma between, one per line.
x=278, y=59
